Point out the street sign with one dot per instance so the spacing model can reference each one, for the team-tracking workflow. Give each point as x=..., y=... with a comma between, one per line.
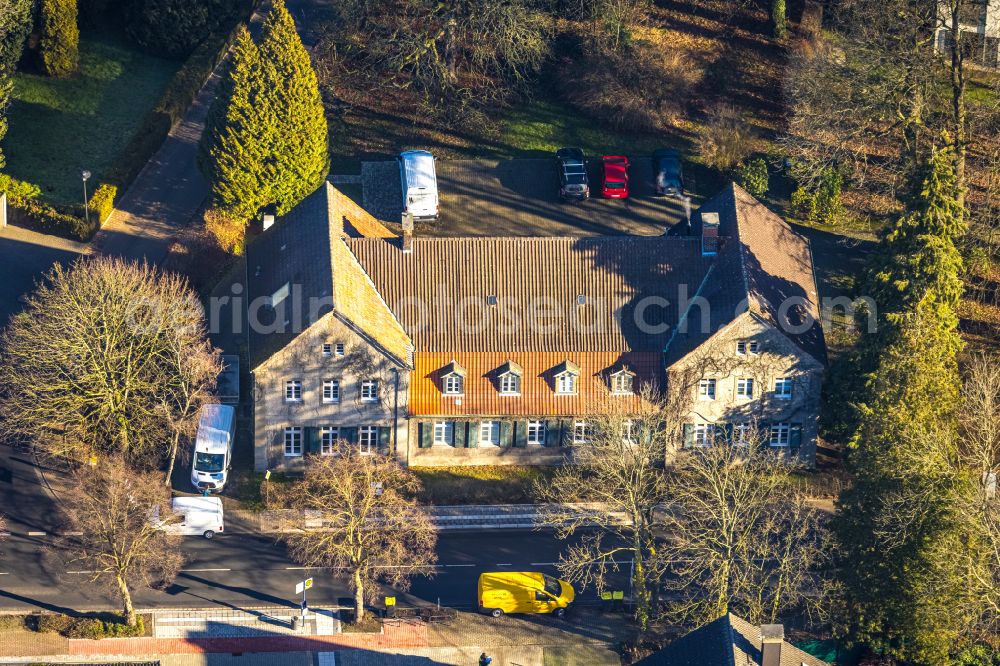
x=308, y=583
x=300, y=587
x=390, y=601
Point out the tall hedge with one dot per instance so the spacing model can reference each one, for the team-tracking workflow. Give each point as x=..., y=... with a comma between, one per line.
x=60, y=37
x=175, y=27
x=301, y=158
x=15, y=22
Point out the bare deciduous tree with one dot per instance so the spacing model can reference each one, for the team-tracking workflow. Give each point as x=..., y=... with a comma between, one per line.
x=621, y=467
x=372, y=528
x=112, y=507
x=979, y=416
x=107, y=356
x=737, y=537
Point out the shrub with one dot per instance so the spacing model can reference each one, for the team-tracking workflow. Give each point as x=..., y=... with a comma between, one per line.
x=18, y=189
x=175, y=27
x=89, y=627
x=102, y=203
x=59, y=41
x=822, y=204
x=726, y=140
x=226, y=229
x=754, y=178
x=804, y=204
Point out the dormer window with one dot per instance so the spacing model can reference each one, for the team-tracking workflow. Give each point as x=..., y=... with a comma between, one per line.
x=453, y=379
x=621, y=382
x=567, y=375
x=744, y=347
x=509, y=378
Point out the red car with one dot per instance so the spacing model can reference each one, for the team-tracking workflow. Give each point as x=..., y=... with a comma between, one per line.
x=615, y=181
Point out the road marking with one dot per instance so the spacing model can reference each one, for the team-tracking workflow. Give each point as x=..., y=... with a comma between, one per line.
x=36, y=533
x=72, y=533
x=81, y=572
x=302, y=568
x=206, y=569
x=459, y=565
x=505, y=564
x=4, y=573
x=544, y=564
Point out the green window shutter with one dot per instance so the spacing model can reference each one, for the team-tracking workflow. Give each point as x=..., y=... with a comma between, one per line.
x=520, y=434
x=384, y=438
x=474, y=428
x=688, y=435
x=567, y=432
x=553, y=432
x=349, y=434
x=312, y=440
x=795, y=435
x=459, y=430
x=426, y=434
x=506, y=433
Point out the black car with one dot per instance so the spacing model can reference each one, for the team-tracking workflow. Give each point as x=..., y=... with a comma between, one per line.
x=572, y=174
x=668, y=174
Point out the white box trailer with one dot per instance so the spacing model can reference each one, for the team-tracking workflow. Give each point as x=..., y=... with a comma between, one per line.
x=213, y=447
x=419, y=183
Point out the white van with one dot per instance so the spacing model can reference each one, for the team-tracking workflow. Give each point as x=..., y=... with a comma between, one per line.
x=195, y=516
x=213, y=447
x=420, y=191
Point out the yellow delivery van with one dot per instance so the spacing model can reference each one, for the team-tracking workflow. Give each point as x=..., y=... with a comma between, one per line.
x=523, y=592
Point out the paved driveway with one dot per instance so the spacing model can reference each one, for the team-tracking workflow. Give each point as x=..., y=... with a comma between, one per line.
x=521, y=198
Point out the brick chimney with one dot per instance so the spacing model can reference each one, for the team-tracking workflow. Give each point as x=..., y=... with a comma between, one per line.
x=407, y=233
x=772, y=636
x=709, y=234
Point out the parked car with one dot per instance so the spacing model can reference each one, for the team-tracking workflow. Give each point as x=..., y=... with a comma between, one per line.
x=615, y=175
x=668, y=173
x=419, y=183
x=213, y=447
x=193, y=516
x=572, y=174
x=503, y=592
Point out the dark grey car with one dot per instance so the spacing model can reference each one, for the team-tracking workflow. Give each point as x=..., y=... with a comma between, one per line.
x=573, y=183
x=667, y=172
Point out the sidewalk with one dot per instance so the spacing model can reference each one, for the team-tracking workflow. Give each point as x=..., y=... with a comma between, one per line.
x=587, y=638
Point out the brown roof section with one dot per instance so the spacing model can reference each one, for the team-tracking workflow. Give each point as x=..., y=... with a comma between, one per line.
x=440, y=292
x=537, y=397
x=355, y=220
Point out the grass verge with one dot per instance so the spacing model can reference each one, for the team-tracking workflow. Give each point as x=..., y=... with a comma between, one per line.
x=480, y=484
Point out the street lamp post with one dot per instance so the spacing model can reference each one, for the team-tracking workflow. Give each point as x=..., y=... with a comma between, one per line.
x=85, y=175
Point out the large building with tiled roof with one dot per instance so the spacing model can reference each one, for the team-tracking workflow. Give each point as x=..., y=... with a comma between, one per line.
x=450, y=351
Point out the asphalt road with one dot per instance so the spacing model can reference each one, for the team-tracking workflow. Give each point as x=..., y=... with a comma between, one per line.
x=235, y=570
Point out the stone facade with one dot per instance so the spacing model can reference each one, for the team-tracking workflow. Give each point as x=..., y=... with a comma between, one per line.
x=307, y=361
x=751, y=349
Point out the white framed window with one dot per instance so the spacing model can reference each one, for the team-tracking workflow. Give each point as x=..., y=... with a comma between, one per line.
x=328, y=440
x=293, y=390
x=280, y=295
x=742, y=432
x=628, y=432
x=744, y=388
x=454, y=385
x=489, y=433
x=783, y=388
x=780, y=434
x=327, y=350
x=338, y=349
x=293, y=441
x=444, y=433
x=744, y=347
x=706, y=389
x=581, y=434
x=510, y=384
x=621, y=383
x=331, y=391
x=368, y=439
x=703, y=434
x=536, y=433
x=369, y=390
x=566, y=383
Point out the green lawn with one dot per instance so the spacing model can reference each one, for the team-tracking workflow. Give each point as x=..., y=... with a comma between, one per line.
x=60, y=126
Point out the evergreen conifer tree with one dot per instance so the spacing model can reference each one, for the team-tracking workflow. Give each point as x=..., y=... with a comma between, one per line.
x=60, y=37
x=899, y=526
x=300, y=161
x=237, y=142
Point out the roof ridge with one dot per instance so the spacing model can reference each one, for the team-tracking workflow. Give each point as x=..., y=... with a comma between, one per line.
x=739, y=239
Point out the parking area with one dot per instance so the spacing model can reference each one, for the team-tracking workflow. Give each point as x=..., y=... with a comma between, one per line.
x=521, y=198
